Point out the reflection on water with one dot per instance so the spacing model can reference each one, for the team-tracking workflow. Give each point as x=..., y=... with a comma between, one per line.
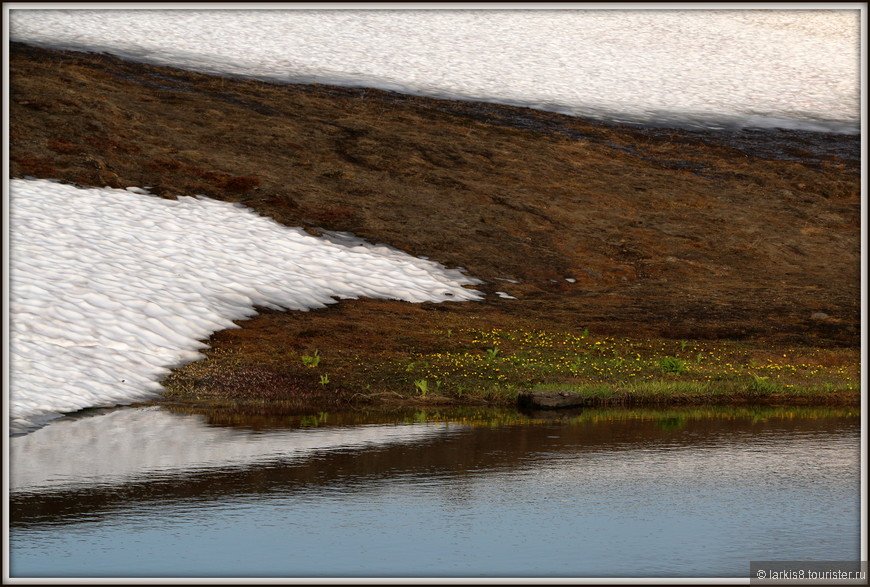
x=605, y=493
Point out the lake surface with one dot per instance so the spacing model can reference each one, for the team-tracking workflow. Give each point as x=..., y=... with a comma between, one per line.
x=599, y=493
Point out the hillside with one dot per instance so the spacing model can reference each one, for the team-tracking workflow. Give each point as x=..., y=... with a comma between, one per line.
x=627, y=231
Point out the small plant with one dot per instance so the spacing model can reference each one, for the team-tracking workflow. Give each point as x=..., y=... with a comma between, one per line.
x=762, y=385
x=324, y=379
x=672, y=365
x=683, y=344
x=491, y=353
x=423, y=386
x=311, y=361
x=585, y=332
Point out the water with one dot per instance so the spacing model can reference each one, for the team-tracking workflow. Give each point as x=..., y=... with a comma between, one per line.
x=681, y=493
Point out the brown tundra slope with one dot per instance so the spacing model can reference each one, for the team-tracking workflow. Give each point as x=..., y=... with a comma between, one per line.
x=622, y=230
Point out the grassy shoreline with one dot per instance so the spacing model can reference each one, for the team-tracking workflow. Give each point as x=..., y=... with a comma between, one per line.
x=491, y=366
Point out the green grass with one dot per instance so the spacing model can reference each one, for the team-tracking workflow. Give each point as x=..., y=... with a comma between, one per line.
x=474, y=366
x=673, y=364
x=494, y=364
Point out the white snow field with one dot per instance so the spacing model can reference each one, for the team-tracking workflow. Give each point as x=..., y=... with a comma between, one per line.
x=110, y=288
x=745, y=67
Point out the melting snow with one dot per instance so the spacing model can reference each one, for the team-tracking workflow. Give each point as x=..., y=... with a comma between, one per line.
x=766, y=68
x=110, y=288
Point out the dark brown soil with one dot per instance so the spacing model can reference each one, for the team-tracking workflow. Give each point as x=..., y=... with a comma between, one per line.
x=684, y=234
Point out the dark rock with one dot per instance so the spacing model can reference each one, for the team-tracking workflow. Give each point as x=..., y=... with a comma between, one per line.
x=550, y=400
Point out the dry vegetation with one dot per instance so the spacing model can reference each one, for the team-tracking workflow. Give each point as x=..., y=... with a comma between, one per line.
x=749, y=236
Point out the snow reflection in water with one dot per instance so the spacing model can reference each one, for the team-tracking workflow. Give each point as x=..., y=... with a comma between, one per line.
x=633, y=497
x=126, y=445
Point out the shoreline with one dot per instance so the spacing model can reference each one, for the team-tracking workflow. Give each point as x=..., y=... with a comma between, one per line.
x=494, y=367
